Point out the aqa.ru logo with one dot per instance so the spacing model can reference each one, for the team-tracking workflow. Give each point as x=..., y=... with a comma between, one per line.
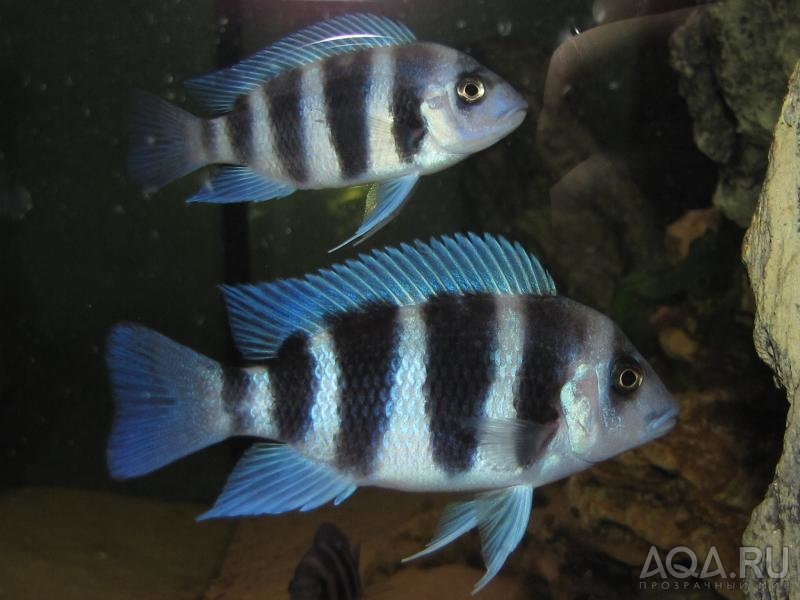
x=675, y=565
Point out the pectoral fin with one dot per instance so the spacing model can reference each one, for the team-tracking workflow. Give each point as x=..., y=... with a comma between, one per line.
x=502, y=518
x=384, y=201
x=513, y=443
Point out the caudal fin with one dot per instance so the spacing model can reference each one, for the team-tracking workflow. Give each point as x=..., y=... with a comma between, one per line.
x=168, y=401
x=165, y=142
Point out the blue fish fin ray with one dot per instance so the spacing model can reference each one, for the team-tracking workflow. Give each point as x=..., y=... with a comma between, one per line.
x=163, y=142
x=234, y=183
x=218, y=91
x=273, y=479
x=164, y=410
x=263, y=315
x=457, y=519
x=384, y=201
x=503, y=519
x=345, y=494
x=509, y=442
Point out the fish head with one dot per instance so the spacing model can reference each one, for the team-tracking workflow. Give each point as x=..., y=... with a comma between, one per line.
x=613, y=400
x=466, y=107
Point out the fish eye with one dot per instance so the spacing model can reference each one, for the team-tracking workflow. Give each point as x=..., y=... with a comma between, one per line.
x=627, y=376
x=471, y=90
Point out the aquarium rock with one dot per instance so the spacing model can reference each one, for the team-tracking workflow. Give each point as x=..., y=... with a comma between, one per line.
x=772, y=254
x=734, y=58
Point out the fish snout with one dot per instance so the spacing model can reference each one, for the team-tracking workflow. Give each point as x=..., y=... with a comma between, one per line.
x=659, y=423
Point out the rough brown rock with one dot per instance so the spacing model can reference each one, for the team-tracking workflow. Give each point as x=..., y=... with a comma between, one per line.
x=734, y=58
x=772, y=254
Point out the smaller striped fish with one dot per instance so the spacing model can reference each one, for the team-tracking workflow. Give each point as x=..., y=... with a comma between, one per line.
x=446, y=366
x=352, y=100
x=329, y=570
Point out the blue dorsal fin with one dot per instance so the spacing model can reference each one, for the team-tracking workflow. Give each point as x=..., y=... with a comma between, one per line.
x=218, y=91
x=263, y=315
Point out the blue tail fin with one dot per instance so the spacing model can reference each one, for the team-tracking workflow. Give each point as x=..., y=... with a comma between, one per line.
x=168, y=401
x=165, y=142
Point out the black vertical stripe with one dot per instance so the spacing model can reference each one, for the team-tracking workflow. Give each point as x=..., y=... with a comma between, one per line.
x=461, y=334
x=365, y=344
x=293, y=388
x=554, y=335
x=413, y=63
x=235, y=389
x=284, y=96
x=239, y=125
x=346, y=83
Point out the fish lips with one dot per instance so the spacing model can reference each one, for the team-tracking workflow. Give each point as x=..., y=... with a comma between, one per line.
x=662, y=423
x=514, y=117
x=504, y=124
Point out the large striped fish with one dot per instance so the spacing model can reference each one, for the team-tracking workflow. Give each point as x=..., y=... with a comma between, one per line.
x=352, y=100
x=442, y=366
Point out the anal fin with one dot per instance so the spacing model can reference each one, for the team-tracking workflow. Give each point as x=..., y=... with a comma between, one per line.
x=233, y=183
x=384, y=201
x=502, y=518
x=274, y=479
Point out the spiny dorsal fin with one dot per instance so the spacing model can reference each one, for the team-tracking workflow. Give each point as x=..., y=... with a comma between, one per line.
x=263, y=315
x=218, y=91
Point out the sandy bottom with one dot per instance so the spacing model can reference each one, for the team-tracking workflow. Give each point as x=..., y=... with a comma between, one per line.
x=62, y=543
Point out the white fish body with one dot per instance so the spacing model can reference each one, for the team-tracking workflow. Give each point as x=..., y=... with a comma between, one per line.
x=449, y=366
x=352, y=100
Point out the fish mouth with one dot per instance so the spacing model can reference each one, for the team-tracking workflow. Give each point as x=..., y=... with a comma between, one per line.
x=663, y=422
x=515, y=116
x=504, y=124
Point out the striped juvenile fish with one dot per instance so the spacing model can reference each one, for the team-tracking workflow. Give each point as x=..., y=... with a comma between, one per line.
x=352, y=100
x=446, y=366
x=329, y=570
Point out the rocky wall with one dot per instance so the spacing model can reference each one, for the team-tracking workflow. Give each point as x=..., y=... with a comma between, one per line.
x=772, y=254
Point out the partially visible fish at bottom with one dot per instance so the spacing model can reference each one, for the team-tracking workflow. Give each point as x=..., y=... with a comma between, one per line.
x=329, y=570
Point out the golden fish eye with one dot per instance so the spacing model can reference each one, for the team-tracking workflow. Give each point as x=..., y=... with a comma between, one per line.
x=627, y=377
x=471, y=90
